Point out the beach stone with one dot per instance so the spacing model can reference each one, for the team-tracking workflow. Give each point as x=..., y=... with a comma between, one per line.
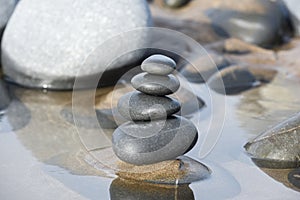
x=49, y=51
x=265, y=29
x=159, y=65
x=176, y=3
x=6, y=9
x=143, y=143
x=138, y=106
x=155, y=84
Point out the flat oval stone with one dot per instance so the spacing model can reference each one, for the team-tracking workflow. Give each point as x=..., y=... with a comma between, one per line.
x=144, y=143
x=159, y=65
x=138, y=106
x=155, y=84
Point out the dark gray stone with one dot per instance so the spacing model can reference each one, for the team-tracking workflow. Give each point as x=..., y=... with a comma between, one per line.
x=176, y=3
x=278, y=147
x=151, y=142
x=266, y=29
x=49, y=51
x=138, y=106
x=155, y=84
x=204, y=67
x=234, y=80
x=159, y=65
x=4, y=96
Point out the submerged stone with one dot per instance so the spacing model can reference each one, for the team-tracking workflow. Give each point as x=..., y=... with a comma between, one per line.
x=278, y=147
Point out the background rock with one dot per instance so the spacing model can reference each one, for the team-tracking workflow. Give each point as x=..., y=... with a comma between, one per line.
x=196, y=18
x=48, y=51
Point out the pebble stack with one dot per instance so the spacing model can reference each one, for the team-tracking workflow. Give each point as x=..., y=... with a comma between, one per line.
x=153, y=133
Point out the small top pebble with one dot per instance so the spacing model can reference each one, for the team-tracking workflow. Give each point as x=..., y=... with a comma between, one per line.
x=158, y=65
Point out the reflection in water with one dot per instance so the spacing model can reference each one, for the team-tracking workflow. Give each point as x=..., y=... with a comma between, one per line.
x=16, y=115
x=268, y=105
x=124, y=189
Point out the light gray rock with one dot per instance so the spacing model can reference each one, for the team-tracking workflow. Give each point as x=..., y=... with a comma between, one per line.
x=151, y=142
x=155, y=84
x=6, y=9
x=159, y=65
x=50, y=50
x=139, y=106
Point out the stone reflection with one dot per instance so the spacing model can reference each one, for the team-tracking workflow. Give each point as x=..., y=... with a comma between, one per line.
x=50, y=137
x=124, y=189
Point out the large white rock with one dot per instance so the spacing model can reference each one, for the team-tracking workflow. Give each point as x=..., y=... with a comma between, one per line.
x=6, y=9
x=47, y=41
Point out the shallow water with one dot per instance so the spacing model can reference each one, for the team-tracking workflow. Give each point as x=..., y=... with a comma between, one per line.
x=43, y=157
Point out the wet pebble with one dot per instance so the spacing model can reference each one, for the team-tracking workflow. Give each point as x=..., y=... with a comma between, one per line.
x=143, y=143
x=278, y=147
x=155, y=84
x=159, y=65
x=138, y=106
